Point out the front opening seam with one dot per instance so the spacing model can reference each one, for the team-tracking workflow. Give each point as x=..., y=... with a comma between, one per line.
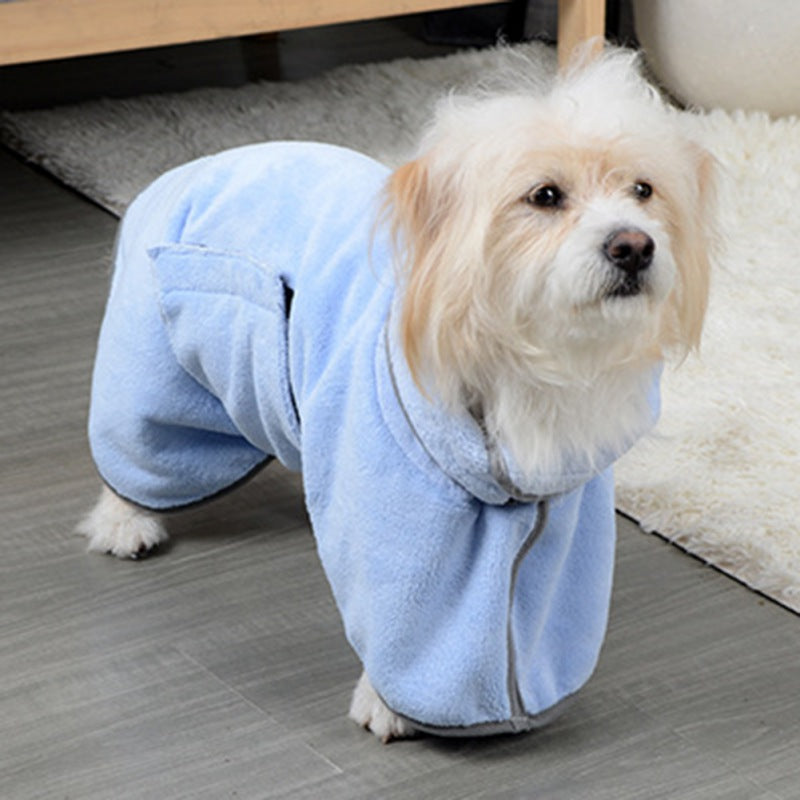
x=516, y=704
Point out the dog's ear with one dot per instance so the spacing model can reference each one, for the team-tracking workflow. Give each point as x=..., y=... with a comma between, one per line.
x=410, y=201
x=694, y=241
x=424, y=223
x=411, y=211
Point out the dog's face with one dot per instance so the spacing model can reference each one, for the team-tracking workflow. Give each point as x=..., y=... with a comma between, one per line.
x=585, y=241
x=552, y=237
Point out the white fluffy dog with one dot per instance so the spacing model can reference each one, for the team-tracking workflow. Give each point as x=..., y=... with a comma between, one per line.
x=551, y=251
x=556, y=248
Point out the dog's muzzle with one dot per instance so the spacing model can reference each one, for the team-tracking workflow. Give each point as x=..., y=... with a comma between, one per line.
x=631, y=251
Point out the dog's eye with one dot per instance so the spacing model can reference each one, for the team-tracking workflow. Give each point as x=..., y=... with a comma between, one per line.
x=642, y=190
x=546, y=196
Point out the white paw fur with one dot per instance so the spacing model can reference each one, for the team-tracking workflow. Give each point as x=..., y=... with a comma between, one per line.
x=369, y=711
x=120, y=528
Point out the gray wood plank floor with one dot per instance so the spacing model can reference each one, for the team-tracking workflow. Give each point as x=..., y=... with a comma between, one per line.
x=219, y=669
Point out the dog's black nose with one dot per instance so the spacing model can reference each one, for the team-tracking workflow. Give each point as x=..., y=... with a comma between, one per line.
x=629, y=249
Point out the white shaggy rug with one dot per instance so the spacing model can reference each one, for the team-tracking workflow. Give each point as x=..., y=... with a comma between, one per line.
x=721, y=476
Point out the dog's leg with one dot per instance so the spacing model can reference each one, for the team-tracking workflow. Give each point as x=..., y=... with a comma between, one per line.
x=369, y=711
x=118, y=527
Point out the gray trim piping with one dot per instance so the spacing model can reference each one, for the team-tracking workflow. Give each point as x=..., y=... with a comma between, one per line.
x=515, y=697
x=406, y=415
x=521, y=724
x=396, y=390
x=216, y=494
x=497, y=463
x=519, y=720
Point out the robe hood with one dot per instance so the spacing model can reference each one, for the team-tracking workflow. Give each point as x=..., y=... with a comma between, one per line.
x=458, y=443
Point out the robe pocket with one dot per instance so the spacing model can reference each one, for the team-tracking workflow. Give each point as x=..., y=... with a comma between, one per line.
x=227, y=318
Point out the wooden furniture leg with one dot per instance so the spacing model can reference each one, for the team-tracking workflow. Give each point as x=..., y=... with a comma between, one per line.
x=579, y=20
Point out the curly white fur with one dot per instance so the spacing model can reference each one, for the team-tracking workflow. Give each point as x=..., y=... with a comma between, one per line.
x=511, y=307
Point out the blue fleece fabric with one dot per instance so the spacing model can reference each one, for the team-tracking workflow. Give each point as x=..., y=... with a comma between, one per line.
x=250, y=316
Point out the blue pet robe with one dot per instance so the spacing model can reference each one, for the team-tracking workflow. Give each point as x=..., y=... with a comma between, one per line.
x=250, y=317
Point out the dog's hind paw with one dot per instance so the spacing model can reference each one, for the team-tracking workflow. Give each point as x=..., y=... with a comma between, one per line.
x=369, y=711
x=120, y=528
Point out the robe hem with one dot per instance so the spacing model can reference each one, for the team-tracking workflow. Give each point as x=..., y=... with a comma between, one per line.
x=521, y=723
x=189, y=504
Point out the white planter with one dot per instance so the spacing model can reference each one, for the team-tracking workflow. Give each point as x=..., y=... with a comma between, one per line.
x=724, y=53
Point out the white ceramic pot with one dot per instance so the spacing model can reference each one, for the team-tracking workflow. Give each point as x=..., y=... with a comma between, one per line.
x=724, y=53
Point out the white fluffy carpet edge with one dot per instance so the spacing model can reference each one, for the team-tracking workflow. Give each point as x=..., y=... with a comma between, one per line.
x=111, y=149
x=721, y=476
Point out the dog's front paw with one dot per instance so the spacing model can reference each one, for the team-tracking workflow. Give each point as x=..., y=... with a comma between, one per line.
x=120, y=528
x=369, y=711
